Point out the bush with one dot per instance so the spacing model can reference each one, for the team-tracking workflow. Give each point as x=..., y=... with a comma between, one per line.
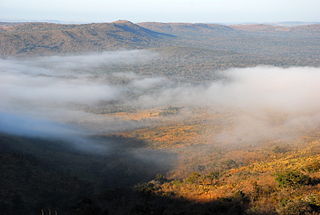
x=292, y=179
x=312, y=167
x=177, y=182
x=214, y=175
x=296, y=207
x=230, y=164
x=193, y=178
x=147, y=188
x=280, y=149
x=161, y=179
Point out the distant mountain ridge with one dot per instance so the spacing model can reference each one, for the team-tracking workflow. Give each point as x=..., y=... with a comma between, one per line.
x=207, y=29
x=48, y=38
x=277, y=28
x=39, y=38
x=187, y=28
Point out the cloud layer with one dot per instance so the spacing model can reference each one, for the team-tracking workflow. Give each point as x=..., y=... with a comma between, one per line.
x=264, y=101
x=62, y=89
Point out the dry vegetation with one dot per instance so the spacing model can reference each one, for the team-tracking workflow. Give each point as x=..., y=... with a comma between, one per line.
x=273, y=177
x=21, y=39
x=201, y=167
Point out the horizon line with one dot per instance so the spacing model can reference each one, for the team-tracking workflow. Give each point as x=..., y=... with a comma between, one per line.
x=54, y=21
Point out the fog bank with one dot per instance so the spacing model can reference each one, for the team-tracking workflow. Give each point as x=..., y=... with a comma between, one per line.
x=264, y=101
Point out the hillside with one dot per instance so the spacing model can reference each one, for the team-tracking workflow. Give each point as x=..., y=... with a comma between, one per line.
x=47, y=38
x=188, y=28
x=271, y=177
x=261, y=28
x=307, y=29
x=197, y=119
x=29, y=39
x=201, y=29
x=46, y=174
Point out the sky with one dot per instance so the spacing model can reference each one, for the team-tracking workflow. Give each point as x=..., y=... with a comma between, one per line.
x=207, y=11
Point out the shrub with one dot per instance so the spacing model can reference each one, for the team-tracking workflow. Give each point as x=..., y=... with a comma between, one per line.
x=312, y=167
x=147, y=188
x=161, y=179
x=177, y=182
x=240, y=196
x=230, y=164
x=280, y=149
x=193, y=178
x=261, y=191
x=292, y=179
x=296, y=207
x=312, y=199
x=214, y=175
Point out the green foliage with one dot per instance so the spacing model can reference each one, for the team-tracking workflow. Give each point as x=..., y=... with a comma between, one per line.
x=177, y=182
x=147, y=188
x=313, y=199
x=214, y=175
x=230, y=164
x=296, y=207
x=161, y=178
x=280, y=149
x=193, y=178
x=292, y=179
x=170, y=111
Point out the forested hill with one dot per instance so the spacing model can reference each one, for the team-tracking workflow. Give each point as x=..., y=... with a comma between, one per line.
x=48, y=38
x=36, y=38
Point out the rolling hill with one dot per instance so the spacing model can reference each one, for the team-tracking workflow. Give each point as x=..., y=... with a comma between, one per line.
x=161, y=149
x=48, y=38
x=314, y=28
x=189, y=28
x=36, y=38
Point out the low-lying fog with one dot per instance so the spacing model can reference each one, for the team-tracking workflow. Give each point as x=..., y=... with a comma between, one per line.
x=68, y=93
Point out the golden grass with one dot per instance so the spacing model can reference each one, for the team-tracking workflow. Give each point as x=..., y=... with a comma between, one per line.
x=139, y=115
x=253, y=167
x=245, y=178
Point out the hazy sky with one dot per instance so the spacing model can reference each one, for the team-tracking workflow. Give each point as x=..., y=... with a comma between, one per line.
x=162, y=10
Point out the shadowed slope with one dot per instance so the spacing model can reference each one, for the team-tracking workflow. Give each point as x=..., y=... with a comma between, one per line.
x=38, y=174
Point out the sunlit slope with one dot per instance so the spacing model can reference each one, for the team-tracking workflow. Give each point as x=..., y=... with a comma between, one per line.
x=286, y=183
x=273, y=175
x=21, y=39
